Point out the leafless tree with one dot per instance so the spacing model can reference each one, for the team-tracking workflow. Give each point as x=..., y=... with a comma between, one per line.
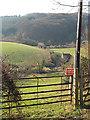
x=69, y=6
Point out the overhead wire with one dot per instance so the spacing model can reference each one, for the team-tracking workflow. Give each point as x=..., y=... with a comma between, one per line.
x=67, y=5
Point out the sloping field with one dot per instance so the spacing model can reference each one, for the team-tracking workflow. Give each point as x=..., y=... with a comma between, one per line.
x=65, y=50
x=83, y=52
x=20, y=53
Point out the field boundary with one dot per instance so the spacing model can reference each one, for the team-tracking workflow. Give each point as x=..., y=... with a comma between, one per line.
x=69, y=90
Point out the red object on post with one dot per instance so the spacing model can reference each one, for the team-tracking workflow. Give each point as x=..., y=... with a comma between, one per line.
x=69, y=71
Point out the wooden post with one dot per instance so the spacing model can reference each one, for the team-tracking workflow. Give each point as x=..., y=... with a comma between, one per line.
x=61, y=90
x=81, y=92
x=89, y=39
x=9, y=104
x=0, y=69
x=70, y=87
x=77, y=55
x=37, y=90
x=75, y=89
x=76, y=92
x=70, y=79
x=78, y=41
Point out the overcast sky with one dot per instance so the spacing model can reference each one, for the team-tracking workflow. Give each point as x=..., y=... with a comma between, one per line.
x=22, y=7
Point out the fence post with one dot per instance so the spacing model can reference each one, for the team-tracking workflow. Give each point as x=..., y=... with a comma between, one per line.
x=81, y=91
x=37, y=89
x=9, y=103
x=71, y=86
x=75, y=85
x=61, y=90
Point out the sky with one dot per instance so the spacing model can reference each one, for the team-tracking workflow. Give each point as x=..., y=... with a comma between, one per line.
x=23, y=7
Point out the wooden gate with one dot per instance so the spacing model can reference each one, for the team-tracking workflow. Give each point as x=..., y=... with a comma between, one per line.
x=36, y=89
x=81, y=90
x=85, y=91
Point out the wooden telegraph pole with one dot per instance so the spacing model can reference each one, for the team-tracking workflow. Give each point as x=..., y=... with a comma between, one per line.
x=77, y=55
x=78, y=41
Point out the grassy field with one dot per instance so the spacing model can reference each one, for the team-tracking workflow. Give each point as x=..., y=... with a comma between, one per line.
x=64, y=50
x=20, y=53
x=83, y=52
x=57, y=110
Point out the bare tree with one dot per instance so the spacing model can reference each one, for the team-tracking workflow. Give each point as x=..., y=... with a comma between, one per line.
x=69, y=6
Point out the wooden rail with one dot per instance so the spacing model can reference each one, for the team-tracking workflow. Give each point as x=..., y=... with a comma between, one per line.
x=46, y=91
x=39, y=92
x=44, y=85
x=36, y=104
x=40, y=77
x=38, y=98
x=85, y=89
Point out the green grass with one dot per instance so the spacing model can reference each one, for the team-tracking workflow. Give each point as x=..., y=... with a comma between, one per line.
x=20, y=53
x=64, y=50
x=70, y=51
x=57, y=110
x=41, y=82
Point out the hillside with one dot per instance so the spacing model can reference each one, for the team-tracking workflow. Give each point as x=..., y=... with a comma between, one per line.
x=50, y=29
x=23, y=54
x=64, y=50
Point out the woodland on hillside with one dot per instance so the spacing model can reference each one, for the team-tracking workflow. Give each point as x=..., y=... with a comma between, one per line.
x=49, y=29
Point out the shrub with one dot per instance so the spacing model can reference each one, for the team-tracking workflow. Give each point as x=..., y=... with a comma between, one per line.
x=9, y=86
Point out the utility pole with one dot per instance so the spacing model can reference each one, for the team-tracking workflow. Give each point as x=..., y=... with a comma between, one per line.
x=78, y=41
x=89, y=39
x=77, y=55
